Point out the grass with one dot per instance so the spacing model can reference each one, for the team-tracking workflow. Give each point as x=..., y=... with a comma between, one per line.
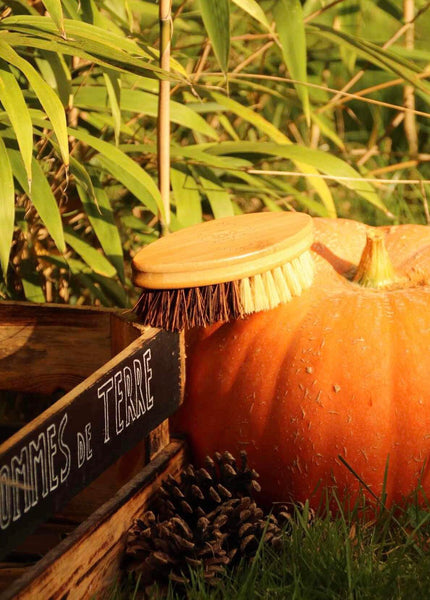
x=343, y=557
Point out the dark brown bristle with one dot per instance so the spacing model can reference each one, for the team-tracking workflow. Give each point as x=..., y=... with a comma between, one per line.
x=177, y=309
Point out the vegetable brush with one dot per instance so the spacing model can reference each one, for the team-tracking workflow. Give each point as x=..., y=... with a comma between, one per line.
x=223, y=269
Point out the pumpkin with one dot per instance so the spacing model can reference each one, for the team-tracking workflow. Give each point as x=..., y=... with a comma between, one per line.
x=333, y=386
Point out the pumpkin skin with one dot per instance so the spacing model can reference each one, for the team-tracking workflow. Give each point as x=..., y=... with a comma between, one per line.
x=340, y=371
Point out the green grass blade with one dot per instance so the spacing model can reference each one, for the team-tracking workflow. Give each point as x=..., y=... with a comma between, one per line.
x=7, y=208
x=187, y=198
x=56, y=13
x=94, y=259
x=15, y=106
x=46, y=96
x=254, y=9
x=291, y=31
x=216, y=19
x=41, y=196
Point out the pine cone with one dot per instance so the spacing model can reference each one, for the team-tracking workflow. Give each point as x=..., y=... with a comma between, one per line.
x=207, y=520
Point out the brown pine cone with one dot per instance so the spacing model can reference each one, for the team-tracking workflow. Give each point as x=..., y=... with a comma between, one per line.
x=207, y=520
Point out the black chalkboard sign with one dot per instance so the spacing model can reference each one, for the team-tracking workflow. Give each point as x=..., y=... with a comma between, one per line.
x=65, y=448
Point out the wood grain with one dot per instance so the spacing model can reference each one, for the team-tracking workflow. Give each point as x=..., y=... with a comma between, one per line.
x=125, y=328
x=223, y=250
x=44, y=348
x=87, y=563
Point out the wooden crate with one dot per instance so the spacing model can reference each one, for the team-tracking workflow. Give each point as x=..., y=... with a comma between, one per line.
x=73, y=479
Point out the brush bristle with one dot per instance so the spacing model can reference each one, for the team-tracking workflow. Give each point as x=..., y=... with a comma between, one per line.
x=177, y=309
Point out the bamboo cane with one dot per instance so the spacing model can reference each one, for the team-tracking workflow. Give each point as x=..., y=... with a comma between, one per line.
x=163, y=130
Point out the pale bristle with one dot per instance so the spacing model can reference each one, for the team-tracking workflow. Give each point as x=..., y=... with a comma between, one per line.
x=246, y=296
x=176, y=309
x=272, y=295
x=258, y=293
x=292, y=279
x=281, y=285
x=306, y=269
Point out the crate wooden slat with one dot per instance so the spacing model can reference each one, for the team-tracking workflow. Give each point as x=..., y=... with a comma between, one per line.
x=87, y=563
x=90, y=354
x=50, y=347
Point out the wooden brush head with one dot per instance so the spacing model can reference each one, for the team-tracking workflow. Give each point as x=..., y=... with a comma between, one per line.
x=223, y=250
x=223, y=269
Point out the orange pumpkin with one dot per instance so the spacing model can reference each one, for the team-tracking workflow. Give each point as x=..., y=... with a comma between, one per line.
x=342, y=371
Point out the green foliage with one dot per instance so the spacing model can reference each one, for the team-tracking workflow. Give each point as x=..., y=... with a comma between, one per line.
x=357, y=553
x=256, y=124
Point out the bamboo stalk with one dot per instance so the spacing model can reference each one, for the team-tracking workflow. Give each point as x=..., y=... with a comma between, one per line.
x=410, y=124
x=163, y=130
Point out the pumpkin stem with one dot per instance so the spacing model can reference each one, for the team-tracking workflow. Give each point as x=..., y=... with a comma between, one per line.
x=375, y=269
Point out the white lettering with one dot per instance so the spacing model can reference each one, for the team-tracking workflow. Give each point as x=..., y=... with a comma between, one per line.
x=51, y=433
x=148, y=377
x=38, y=458
x=89, y=452
x=130, y=409
x=5, y=497
x=119, y=397
x=103, y=392
x=20, y=476
x=64, y=449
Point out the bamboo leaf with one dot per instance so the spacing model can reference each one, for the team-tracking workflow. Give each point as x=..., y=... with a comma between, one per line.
x=55, y=72
x=16, y=108
x=124, y=169
x=254, y=9
x=88, y=42
x=324, y=162
x=288, y=16
x=187, y=198
x=41, y=196
x=113, y=289
x=216, y=19
x=101, y=217
x=72, y=8
x=113, y=87
x=46, y=96
x=250, y=116
x=31, y=282
x=380, y=57
x=80, y=31
x=326, y=129
x=94, y=259
x=83, y=178
x=137, y=101
x=56, y=13
x=7, y=208
x=219, y=198
x=195, y=154
x=269, y=129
